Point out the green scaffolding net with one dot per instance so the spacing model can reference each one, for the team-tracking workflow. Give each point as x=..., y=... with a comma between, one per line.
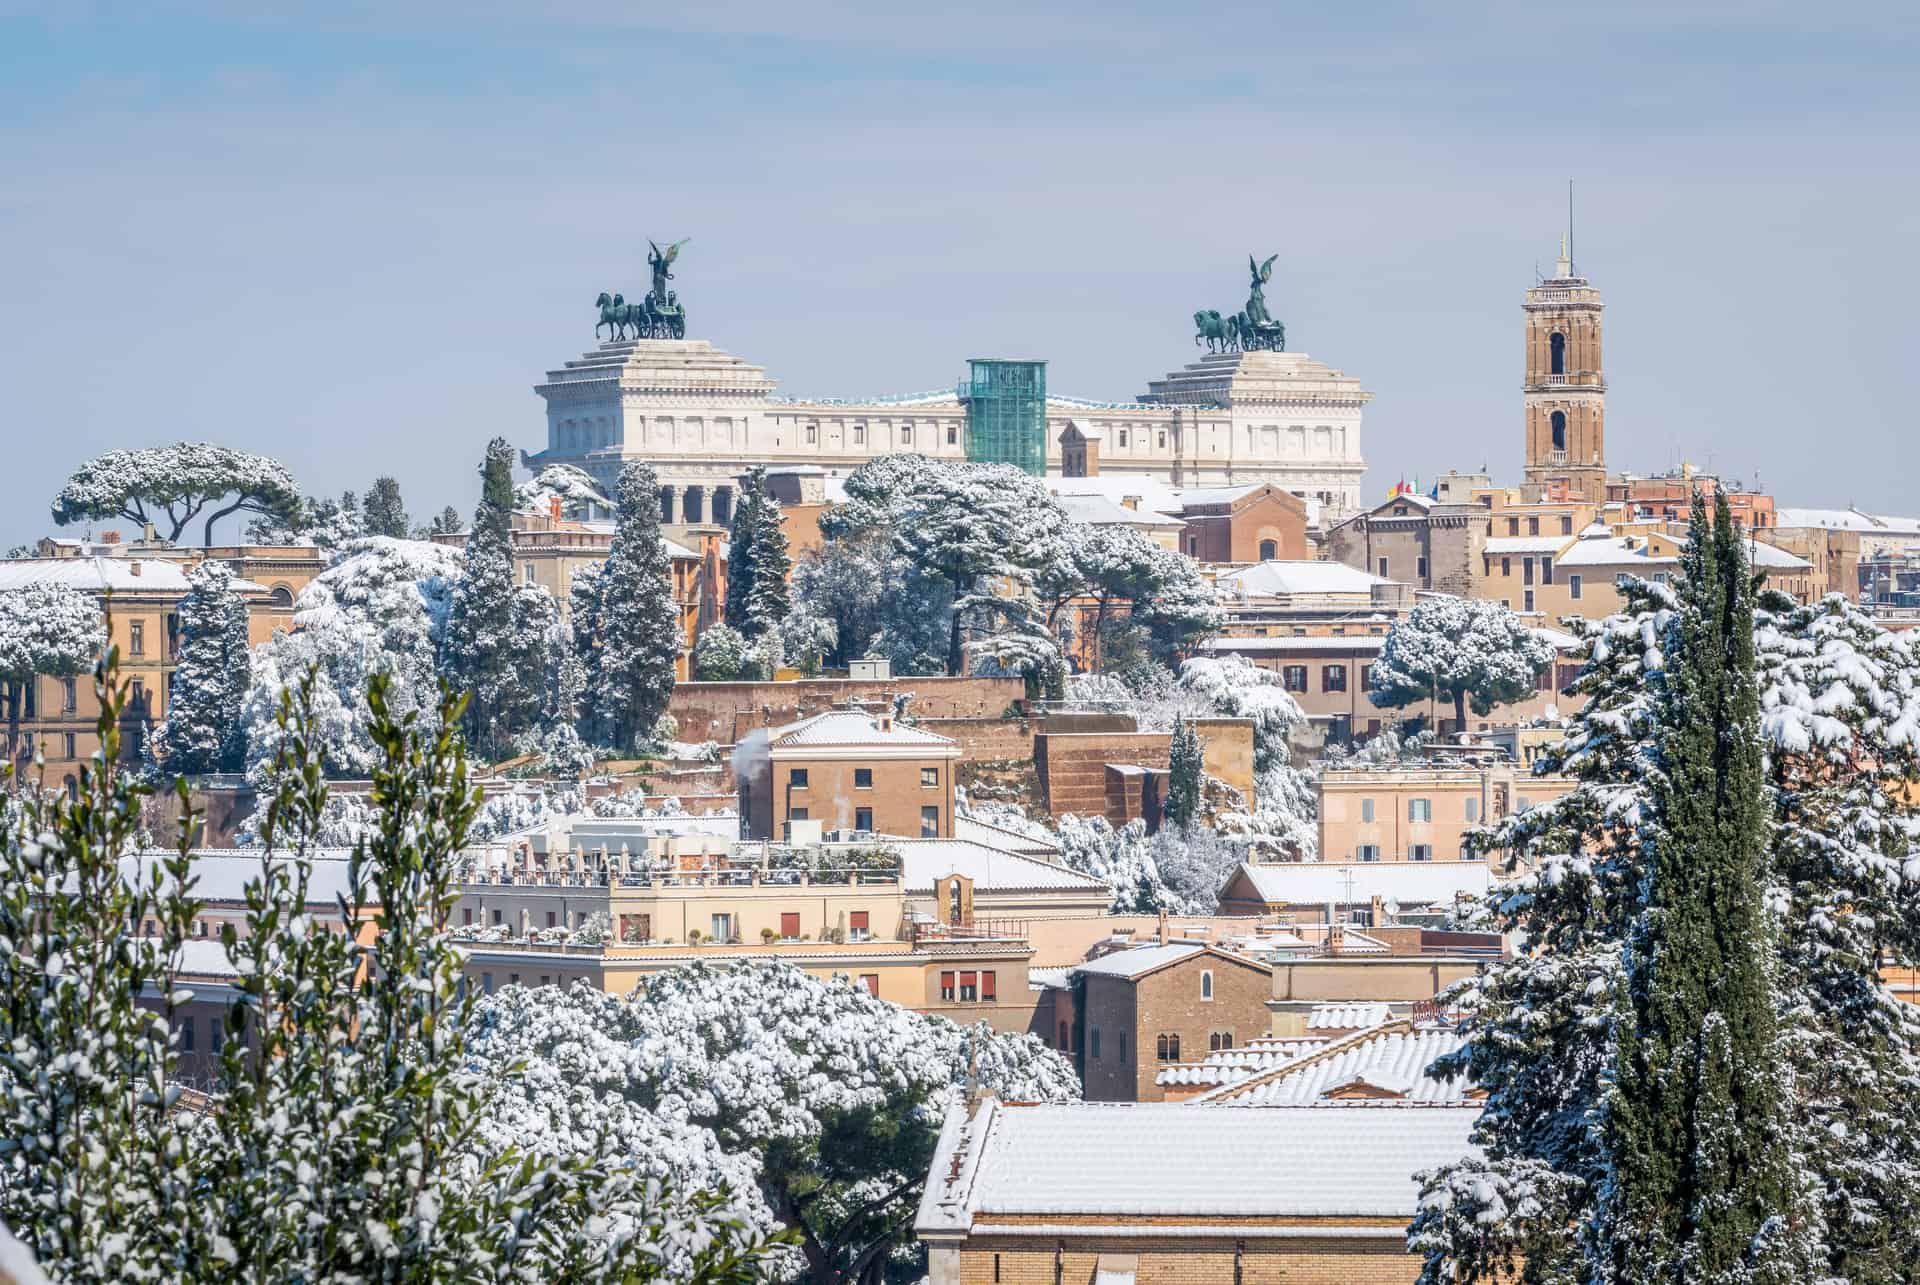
x=1006, y=413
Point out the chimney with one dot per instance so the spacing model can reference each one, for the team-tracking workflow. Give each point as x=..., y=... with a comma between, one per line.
x=1379, y=912
x=1336, y=938
x=133, y=568
x=553, y=507
x=1163, y=926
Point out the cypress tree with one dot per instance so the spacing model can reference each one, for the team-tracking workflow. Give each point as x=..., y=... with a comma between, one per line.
x=634, y=621
x=385, y=512
x=203, y=730
x=757, y=562
x=1184, y=769
x=740, y=549
x=480, y=641
x=1696, y=1122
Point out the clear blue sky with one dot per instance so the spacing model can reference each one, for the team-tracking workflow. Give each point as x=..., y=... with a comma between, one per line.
x=354, y=235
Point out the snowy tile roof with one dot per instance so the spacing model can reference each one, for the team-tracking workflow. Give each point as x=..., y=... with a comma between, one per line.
x=223, y=874
x=1526, y=544
x=1050, y=977
x=1130, y=1160
x=1272, y=579
x=1346, y=1017
x=1154, y=495
x=128, y=575
x=204, y=957
x=1217, y=494
x=1230, y=1066
x=924, y=860
x=1613, y=551
x=1138, y=961
x=993, y=836
x=1392, y=1062
x=1410, y=883
x=1848, y=520
x=851, y=727
x=1765, y=555
x=1098, y=510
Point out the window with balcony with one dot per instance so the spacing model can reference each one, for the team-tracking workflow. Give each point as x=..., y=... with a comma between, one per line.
x=1557, y=354
x=863, y=778
x=1367, y=852
x=1559, y=430
x=1420, y=852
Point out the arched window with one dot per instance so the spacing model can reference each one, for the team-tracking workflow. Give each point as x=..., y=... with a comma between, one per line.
x=1559, y=430
x=1557, y=346
x=281, y=599
x=1269, y=551
x=1206, y=984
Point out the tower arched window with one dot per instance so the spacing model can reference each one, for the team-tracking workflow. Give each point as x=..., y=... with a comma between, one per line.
x=1559, y=430
x=1558, y=347
x=1269, y=550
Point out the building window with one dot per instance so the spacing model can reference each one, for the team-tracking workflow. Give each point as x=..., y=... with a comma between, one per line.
x=930, y=822
x=136, y=638
x=1419, y=809
x=1526, y=600
x=989, y=991
x=796, y=814
x=722, y=926
x=1557, y=353
x=1333, y=678
x=1294, y=677
x=550, y=919
x=1123, y=439
x=813, y=434
x=466, y=917
x=872, y=982
x=1566, y=524
x=1366, y=809
x=1533, y=526
x=863, y=818
x=858, y=928
x=1368, y=852
x=1382, y=572
x=953, y=435
x=1420, y=567
x=1269, y=551
x=1420, y=852
x=790, y=925
x=1065, y=1028
x=859, y=434
x=1163, y=441
x=930, y=778
x=1093, y=1041
x=863, y=778
x=67, y=738
x=486, y=983
x=946, y=987
x=1546, y=571
x=906, y=435
x=526, y=572
x=186, y=1034
x=69, y=695
x=1513, y=526
x=1123, y=1046
x=1573, y=587
x=1526, y=571
x=1167, y=1048
x=498, y=918
x=1473, y=809
x=1506, y=566
x=1559, y=430
x=1366, y=675
x=797, y=778
x=1206, y=984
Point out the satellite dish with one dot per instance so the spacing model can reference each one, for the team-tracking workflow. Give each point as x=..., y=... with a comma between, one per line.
x=1392, y=907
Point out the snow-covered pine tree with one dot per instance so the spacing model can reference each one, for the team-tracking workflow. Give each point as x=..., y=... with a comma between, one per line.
x=768, y=602
x=1185, y=768
x=633, y=624
x=385, y=513
x=202, y=731
x=446, y=522
x=1700, y=1185
x=722, y=656
x=44, y=629
x=1463, y=650
x=171, y=486
x=742, y=545
x=478, y=655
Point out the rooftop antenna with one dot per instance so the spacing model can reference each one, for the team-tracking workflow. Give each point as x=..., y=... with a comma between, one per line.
x=1570, y=222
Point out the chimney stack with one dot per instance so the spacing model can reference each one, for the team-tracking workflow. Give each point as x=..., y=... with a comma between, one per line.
x=1164, y=936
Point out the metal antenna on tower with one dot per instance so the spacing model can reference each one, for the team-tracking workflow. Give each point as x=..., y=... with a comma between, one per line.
x=1570, y=258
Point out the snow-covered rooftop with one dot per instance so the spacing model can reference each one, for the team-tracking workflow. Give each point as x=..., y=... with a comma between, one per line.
x=1099, y=510
x=1217, y=494
x=1153, y=494
x=1129, y=1160
x=1768, y=557
x=1347, y=1017
x=1274, y=579
x=1230, y=1066
x=1848, y=520
x=989, y=835
x=1138, y=961
x=852, y=727
x=122, y=575
x=1408, y=882
x=1300, y=642
x=223, y=874
x=1613, y=551
x=922, y=861
x=1392, y=1063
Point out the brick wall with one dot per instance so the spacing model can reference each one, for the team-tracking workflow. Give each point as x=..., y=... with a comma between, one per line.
x=1169, y=1003
x=986, y=740
x=725, y=712
x=1073, y=766
x=1186, y=1261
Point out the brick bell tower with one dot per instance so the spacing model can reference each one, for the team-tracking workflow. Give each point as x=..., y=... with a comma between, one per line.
x=1565, y=389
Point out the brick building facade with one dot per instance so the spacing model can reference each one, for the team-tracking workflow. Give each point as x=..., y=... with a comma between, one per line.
x=1149, y=1006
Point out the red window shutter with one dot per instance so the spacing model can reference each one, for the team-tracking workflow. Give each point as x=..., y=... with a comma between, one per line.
x=986, y=986
x=858, y=920
x=872, y=982
x=789, y=923
x=966, y=979
x=946, y=981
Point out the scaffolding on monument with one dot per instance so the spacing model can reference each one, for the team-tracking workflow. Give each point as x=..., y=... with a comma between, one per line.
x=1006, y=405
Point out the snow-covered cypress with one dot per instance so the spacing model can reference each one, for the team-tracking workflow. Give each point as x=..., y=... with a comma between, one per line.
x=483, y=640
x=1184, y=772
x=629, y=636
x=385, y=513
x=44, y=630
x=203, y=730
x=1462, y=650
x=1694, y=1127
x=757, y=561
